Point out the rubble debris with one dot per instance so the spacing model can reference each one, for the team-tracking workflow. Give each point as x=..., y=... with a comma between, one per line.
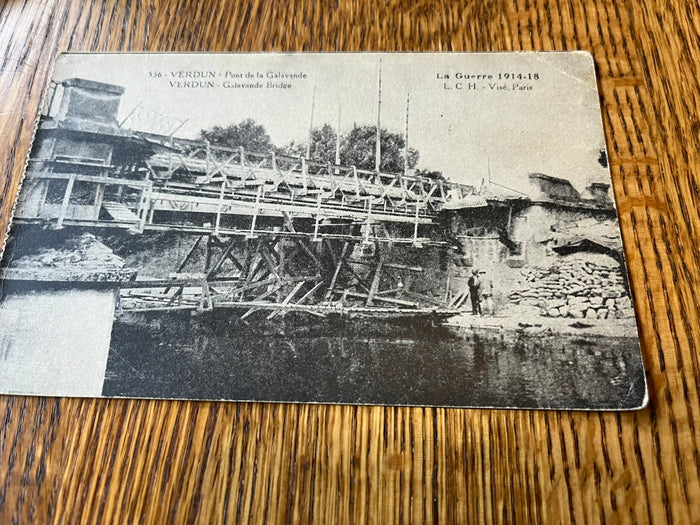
x=578, y=286
x=78, y=259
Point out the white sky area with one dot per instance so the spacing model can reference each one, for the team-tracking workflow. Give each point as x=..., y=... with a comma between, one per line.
x=555, y=128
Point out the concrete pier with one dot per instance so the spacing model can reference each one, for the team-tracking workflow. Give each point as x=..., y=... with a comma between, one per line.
x=55, y=342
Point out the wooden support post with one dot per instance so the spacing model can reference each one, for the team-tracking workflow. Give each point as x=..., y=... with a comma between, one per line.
x=120, y=307
x=66, y=201
x=255, y=212
x=377, y=276
x=44, y=185
x=281, y=265
x=318, y=217
x=207, y=170
x=205, y=301
x=338, y=266
x=207, y=253
x=368, y=222
x=221, y=205
x=99, y=197
x=415, y=226
x=331, y=251
x=304, y=174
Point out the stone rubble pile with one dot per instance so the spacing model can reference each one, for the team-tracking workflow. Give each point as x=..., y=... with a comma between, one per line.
x=84, y=252
x=579, y=286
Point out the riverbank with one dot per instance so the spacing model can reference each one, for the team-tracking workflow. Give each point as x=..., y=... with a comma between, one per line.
x=521, y=319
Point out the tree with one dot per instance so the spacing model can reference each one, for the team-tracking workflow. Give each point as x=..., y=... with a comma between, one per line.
x=247, y=134
x=358, y=148
x=322, y=145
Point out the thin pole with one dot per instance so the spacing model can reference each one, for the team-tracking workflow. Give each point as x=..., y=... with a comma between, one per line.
x=378, y=153
x=311, y=124
x=405, y=151
x=337, y=139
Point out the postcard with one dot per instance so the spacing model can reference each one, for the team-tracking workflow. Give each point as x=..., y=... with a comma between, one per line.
x=422, y=229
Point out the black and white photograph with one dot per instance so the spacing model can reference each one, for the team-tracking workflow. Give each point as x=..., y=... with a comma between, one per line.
x=425, y=229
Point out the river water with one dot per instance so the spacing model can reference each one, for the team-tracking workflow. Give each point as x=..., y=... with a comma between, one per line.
x=213, y=356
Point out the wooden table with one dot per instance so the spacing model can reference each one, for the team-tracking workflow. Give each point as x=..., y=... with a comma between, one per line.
x=70, y=460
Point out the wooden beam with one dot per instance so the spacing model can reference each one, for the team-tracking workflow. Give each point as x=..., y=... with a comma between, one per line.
x=377, y=276
x=394, y=266
x=226, y=253
x=339, y=265
x=186, y=259
x=253, y=260
x=189, y=254
x=287, y=298
x=379, y=298
x=308, y=294
x=65, y=201
x=272, y=265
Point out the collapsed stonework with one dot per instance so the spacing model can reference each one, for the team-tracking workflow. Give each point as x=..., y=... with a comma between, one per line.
x=81, y=258
x=580, y=286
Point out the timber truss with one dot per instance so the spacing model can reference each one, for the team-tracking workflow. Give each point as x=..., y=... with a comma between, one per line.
x=192, y=186
x=274, y=233
x=272, y=275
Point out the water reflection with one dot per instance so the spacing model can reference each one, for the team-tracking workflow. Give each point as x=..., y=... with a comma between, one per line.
x=214, y=357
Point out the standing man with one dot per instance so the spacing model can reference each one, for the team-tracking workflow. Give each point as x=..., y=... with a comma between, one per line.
x=474, y=284
x=486, y=289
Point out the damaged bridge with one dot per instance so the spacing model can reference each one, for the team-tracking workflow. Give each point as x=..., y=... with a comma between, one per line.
x=269, y=234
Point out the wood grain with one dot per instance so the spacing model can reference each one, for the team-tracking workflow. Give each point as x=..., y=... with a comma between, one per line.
x=117, y=461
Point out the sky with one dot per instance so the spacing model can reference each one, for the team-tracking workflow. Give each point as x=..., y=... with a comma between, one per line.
x=488, y=128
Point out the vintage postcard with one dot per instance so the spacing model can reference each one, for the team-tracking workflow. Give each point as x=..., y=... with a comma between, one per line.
x=384, y=228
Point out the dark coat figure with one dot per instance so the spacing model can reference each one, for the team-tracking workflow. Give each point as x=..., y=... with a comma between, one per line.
x=474, y=284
